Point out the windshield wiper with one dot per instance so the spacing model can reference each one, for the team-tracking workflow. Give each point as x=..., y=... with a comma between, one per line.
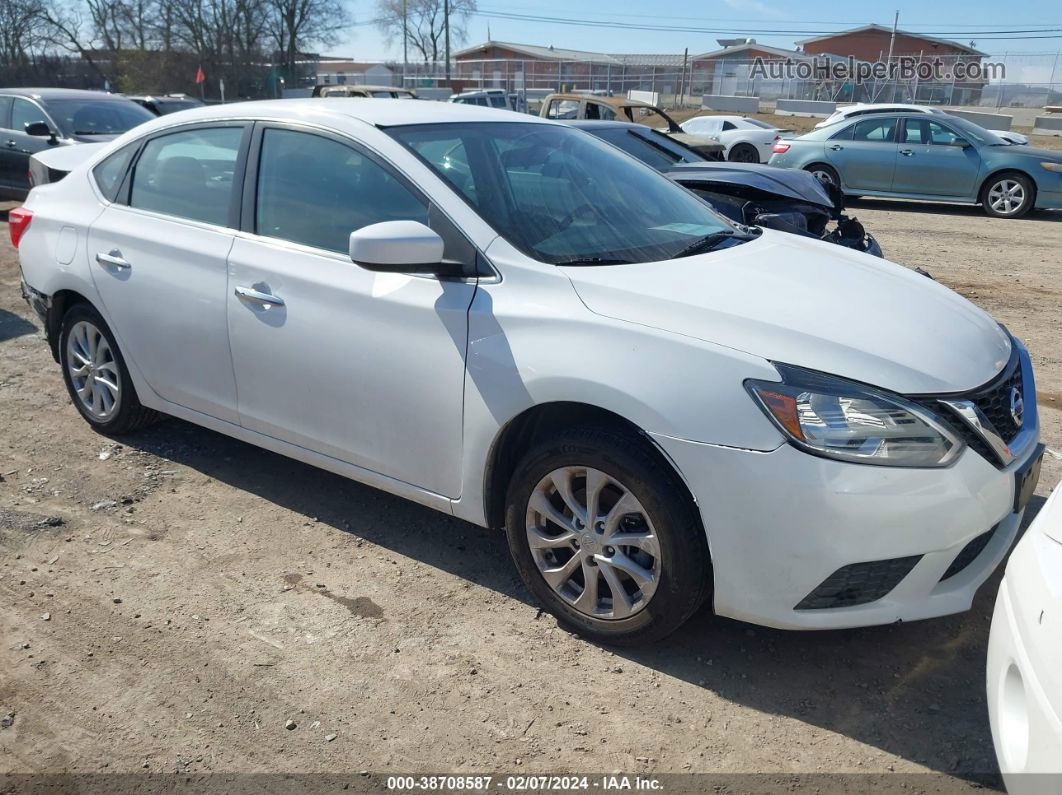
x=592, y=261
x=706, y=243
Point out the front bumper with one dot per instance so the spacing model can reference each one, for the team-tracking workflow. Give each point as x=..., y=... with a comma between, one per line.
x=1024, y=673
x=780, y=523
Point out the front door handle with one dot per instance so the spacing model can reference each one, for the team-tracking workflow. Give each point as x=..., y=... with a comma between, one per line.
x=112, y=258
x=906, y=152
x=264, y=299
x=837, y=147
x=11, y=144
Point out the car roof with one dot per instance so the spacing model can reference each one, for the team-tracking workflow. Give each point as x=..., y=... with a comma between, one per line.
x=884, y=105
x=59, y=93
x=379, y=112
x=598, y=124
x=619, y=102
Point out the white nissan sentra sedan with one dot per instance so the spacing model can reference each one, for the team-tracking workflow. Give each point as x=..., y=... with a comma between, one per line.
x=511, y=321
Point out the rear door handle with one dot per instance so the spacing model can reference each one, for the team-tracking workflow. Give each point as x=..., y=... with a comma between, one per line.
x=837, y=147
x=11, y=144
x=112, y=258
x=906, y=152
x=264, y=299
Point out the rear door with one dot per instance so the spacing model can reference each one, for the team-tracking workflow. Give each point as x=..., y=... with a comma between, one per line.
x=158, y=258
x=6, y=153
x=931, y=160
x=864, y=153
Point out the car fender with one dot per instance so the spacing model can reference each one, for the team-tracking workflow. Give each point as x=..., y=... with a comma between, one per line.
x=531, y=341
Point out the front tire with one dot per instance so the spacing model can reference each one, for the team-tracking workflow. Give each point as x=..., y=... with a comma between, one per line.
x=743, y=153
x=1008, y=195
x=606, y=537
x=96, y=376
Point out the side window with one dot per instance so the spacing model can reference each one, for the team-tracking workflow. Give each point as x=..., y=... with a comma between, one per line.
x=563, y=109
x=316, y=191
x=5, y=112
x=24, y=112
x=729, y=126
x=941, y=135
x=188, y=174
x=875, y=130
x=915, y=131
x=108, y=174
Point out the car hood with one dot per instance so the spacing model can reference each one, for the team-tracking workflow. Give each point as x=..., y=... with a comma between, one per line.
x=778, y=182
x=1050, y=155
x=800, y=301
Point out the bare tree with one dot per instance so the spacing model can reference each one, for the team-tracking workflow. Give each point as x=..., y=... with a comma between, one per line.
x=296, y=25
x=425, y=23
x=21, y=31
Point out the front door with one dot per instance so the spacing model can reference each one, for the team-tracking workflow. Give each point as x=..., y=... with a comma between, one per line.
x=864, y=154
x=365, y=367
x=18, y=146
x=932, y=160
x=157, y=257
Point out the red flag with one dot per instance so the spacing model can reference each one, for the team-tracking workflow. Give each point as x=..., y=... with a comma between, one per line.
x=199, y=76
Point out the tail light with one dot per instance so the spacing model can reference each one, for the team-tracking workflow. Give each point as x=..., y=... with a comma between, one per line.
x=780, y=148
x=18, y=221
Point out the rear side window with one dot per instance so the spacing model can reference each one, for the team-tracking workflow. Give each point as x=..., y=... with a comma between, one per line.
x=875, y=130
x=188, y=174
x=108, y=174
x=316, y=191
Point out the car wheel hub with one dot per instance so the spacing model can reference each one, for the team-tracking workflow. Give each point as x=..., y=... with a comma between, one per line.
x=93, y=371
x=593, y=542
x=1006, y=196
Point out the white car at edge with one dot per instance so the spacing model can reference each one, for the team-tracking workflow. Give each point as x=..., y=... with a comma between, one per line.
x=744, y=140
x=512, y=322
x=1025, y=659
x=867, y=108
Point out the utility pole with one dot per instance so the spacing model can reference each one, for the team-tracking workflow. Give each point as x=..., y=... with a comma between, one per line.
x=681, y=101
x=405, y=43
x=892, y=41
x=446, y=33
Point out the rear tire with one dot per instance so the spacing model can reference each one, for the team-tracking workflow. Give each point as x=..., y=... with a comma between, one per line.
x=96, y=376
x=825, y=172
x=743, y=153
x=639, y=499
x=1008, y=195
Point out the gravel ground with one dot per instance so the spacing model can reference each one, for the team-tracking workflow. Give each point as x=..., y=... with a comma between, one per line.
x=170, y=601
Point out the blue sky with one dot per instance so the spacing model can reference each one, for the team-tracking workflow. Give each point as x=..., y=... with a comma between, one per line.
x=960, y=19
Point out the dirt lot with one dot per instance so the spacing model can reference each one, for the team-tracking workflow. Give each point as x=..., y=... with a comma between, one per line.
x=168, y=602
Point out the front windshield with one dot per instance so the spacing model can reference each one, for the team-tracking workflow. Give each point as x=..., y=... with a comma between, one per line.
x=562, y=196
x=97, y=116
x=976, y=132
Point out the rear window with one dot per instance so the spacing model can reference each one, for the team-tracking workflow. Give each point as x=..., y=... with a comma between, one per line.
x=96, y=116
x=188, y=174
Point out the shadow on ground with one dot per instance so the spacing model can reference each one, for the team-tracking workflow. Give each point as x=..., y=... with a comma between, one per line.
x=915, y=691
x=11, y=326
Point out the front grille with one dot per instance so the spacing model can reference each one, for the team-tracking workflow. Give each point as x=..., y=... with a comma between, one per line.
x=993, y=399
x=859, y=583
x=969, y=554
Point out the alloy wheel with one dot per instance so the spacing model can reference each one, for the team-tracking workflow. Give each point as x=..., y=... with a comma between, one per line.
x=593, y=542
x=822, y=175
x=1006, y=196
x=93, y=371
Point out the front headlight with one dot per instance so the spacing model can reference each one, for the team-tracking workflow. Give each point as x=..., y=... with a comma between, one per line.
x=849, y=421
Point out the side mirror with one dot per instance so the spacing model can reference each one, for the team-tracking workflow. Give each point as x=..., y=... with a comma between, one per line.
x=398, y=247
x=39, y=129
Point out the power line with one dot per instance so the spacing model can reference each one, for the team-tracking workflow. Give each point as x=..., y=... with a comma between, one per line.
x=1040, y=33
